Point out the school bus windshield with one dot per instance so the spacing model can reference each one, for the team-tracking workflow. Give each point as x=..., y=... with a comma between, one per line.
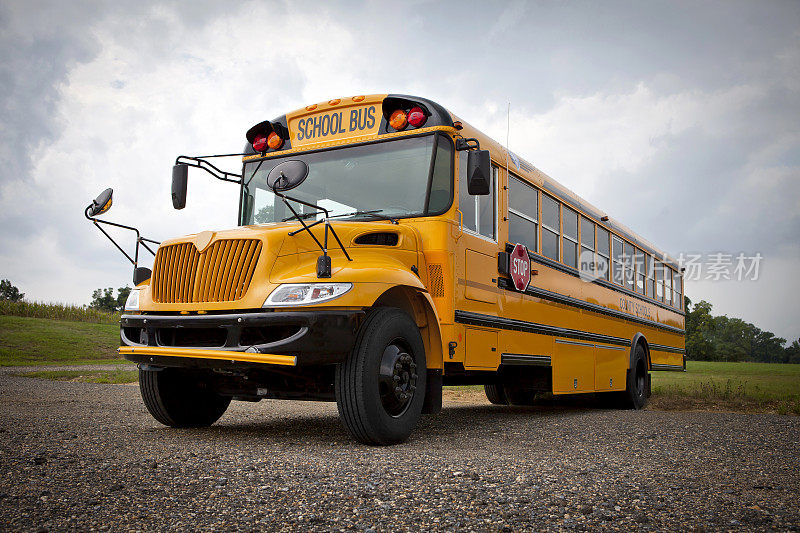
x=395, y=178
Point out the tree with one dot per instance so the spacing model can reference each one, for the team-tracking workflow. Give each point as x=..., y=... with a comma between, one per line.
x=793, y=353
x=122, y=296
x=104, y=299
x=10, y=292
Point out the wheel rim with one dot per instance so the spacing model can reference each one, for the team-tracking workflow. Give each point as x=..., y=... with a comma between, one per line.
x=640, y=379
x=397, y=379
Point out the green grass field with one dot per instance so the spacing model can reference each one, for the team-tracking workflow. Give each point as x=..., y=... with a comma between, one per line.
x=41, y=341
x=86, y=376
x=740, y=386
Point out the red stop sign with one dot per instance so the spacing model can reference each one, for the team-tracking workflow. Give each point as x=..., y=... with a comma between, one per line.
x=520, y=267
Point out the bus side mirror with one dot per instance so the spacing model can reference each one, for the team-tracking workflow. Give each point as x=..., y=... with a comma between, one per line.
x=180, y=177
x=101, y=204
x=478, y=172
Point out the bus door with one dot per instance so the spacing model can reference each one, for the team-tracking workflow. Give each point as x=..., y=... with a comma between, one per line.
x=479, y=248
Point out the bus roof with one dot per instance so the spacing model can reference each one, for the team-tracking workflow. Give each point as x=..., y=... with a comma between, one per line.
x=440, y=116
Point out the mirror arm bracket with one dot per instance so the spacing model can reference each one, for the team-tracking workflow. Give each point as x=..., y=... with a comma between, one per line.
x=139, y=239
x=198, y=162
x=467, y=144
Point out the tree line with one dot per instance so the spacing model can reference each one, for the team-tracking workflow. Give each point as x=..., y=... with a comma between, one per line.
x=720, y=338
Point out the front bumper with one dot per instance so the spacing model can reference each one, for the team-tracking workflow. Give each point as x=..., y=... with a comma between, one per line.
x=310, y=337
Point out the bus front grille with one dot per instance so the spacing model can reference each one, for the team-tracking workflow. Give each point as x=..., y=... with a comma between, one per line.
x=220, y=273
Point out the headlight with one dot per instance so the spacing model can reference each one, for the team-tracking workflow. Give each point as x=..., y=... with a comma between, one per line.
x=132, y=303
x=305, y=293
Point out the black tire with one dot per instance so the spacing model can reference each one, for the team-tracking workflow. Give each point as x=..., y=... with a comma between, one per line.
x=635, y=395
x=180, y=398
x=495, y=393
x=371, y=410
x=518, y=396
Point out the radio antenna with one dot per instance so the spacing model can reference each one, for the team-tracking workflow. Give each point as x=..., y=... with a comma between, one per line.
x=508, y=134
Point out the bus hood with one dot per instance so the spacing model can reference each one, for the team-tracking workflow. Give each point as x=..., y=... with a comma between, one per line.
x=238, y=268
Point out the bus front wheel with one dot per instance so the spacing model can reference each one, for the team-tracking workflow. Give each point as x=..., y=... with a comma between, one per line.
x=380, y=387
x=180, y=398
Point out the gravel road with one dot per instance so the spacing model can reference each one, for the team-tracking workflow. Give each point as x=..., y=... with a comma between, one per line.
x=81, y=456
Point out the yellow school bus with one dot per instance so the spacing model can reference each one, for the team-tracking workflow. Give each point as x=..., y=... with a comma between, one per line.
x=385, y=248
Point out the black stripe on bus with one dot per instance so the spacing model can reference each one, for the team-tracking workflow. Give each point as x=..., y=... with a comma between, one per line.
x=662, y=348
x=673, y=368
x=489, y=321
x=504, y=283
x=518, y=359
x=542, y=260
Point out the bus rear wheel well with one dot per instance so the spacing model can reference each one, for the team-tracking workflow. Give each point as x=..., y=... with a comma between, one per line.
x=640, y=340
x=414, y=302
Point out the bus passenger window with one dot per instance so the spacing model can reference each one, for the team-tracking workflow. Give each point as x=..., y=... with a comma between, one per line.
x=668, y=285
x=676, y=285
x=587, y=262
x=641, y=269
x=628, y=265
x=570, y=237
x=618, y=257
x=487, y=209
x=603, y=253
x=480, y=212
x=467, y=204
x=550, y=227
x=523, y=213
x=659, y=283
x=648, y=271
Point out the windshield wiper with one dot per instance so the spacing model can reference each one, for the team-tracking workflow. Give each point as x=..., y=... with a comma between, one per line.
x=374, y=214
x=301, y=217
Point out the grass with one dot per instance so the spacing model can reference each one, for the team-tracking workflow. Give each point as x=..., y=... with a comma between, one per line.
x=737, y=386
x=745, y=387
x=40, y=341
x=91, y=376
x=57, y=312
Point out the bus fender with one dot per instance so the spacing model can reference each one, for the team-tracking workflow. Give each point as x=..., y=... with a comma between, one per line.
x=639, y=338
x=419, y=305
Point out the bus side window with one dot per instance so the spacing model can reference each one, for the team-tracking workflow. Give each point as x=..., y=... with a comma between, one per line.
x=641, y=269
x=668, y=285
x=467, y=204
x=487, y=209
x=480, y=212
x=603, y=254
x=570, y=237
x=550, y=227
x=676, y=285
x=628, y=265
x=649, y=282
x=618, y=257
x=523, y=209
x=659, y=283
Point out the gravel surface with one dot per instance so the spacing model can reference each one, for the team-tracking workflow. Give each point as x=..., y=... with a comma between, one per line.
x=82, y=456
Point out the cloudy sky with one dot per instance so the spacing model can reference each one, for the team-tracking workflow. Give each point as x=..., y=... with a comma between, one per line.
x=681, y=119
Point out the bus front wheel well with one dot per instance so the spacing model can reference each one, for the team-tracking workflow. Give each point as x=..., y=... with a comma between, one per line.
x=420, y=308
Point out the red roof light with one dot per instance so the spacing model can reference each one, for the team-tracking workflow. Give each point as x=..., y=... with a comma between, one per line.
x=416, y=117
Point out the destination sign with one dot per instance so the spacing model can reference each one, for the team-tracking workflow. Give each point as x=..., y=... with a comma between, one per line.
x=334, y=124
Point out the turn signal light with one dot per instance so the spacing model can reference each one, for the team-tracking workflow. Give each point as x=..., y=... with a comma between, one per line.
x=260, y=143
x=416, y=117
x=274, y=141
x=398, y=120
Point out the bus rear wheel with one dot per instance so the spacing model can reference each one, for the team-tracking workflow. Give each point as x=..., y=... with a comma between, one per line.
x=180, y=398
x=495, y=393
x=635, y=395
x=380, y=387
